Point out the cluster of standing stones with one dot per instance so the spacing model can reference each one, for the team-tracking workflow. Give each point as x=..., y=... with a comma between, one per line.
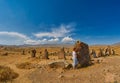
x=82, y=51
x=102, y=52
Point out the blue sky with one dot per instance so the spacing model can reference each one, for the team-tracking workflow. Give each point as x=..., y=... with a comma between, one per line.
x=59, y=21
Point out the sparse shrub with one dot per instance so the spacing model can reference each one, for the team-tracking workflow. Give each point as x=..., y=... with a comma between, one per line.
x=25, y=65
x=7, y=74
x=5, y=54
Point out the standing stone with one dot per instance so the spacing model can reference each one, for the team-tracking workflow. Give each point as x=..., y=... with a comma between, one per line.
x=33, y=53
x=108, y=51
x=113, y=52
x=23, y=52
x=83, y=56
x=93, y=53
x=40, y=56
x=100, y=52
x=45, y=56
x=62, y=54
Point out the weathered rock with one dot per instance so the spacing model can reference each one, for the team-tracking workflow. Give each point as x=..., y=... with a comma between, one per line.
x=60, y=76
x=60, y=64
x=100, y=53
x=97, y=60
x=108, y=51
x=83, y=56
x=45, y=56
x=113, y=52
x=67, y=65
x=23, y=52
x=33, y=53
x=61, y=54
x=93, y=54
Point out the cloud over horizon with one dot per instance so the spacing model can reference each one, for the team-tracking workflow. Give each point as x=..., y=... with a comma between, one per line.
x=67, y=39
x=57, y=35
x=60, y=31
x=12, y=38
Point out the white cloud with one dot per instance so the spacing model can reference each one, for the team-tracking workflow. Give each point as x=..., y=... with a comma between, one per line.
x=67, y=40
x=12, y=38
x=61, y=31
x=53, y=41
x=52, y=37
x=31, y=42
x=13, y=34
x=42, y=41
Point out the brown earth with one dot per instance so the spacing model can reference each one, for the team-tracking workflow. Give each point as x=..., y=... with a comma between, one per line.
x=106, y=71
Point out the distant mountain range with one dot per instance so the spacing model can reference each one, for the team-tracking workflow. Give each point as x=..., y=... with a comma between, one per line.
x=41, y=45
x=55, y=45
x=116, y=44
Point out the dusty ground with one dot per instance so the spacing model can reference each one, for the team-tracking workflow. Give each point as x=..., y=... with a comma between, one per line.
x=107, y=71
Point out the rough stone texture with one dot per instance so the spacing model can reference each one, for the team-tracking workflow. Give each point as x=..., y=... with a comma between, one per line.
x=60, y=64
x=83, y=56
x=33, y=53
x=93, y=54
x=108, y=51
x=113, y=52
x=23, y=52
x=45, y=56
x=100, y=53
x=61, y=54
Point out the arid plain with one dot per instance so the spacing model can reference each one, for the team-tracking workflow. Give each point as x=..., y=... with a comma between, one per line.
x=103, y=70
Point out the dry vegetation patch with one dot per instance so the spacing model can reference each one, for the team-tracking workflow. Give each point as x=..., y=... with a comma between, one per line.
x=7, y=74
x=25, y=65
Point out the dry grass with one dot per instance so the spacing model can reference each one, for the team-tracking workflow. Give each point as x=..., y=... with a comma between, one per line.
x=29, y=72
x=7, y=74
x=25, y=65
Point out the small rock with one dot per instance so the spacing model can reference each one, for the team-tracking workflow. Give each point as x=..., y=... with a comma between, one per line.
x=60, y=76
x=61, y=72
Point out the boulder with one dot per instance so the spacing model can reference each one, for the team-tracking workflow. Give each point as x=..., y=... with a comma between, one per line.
x=60, y=64
x=82, y=50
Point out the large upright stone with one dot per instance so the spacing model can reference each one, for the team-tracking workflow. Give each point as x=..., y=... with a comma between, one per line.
x=93, y=54
x=100, y=52
x=45, y=56
x=23, y=52
x=83, y=56
x=113, y=52
x=62, y=54
x=33, y=53
x=108, y=51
